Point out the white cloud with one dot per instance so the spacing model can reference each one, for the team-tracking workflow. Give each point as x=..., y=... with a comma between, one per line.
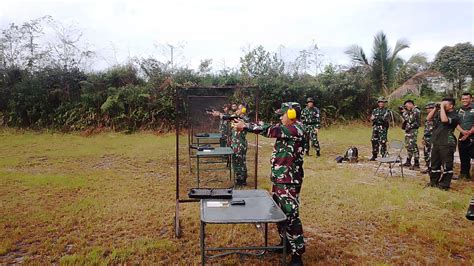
x=219, y=29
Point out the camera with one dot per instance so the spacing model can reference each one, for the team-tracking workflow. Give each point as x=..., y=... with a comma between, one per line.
x=437, y=105
x=401, y=108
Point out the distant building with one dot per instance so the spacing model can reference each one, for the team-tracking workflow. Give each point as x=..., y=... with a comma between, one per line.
x=432, y=79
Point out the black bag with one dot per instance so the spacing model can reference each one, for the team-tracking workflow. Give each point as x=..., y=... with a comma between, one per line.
x=352, y=155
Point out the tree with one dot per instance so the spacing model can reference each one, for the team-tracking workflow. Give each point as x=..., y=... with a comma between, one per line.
x=258, y=63
x=383, y=64
x=456, y=63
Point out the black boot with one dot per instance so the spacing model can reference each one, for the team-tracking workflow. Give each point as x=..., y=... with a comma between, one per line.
x=296, y=260
x=374, y=157
x=318, y=153
x=427, y=170
x=470, y=210
x=407, y=163
x=416, y=165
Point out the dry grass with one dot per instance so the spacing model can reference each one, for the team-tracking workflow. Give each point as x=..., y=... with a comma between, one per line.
x=109, y=199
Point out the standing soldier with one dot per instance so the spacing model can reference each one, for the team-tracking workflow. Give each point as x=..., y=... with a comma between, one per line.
x=224, y=128
x=444, y=143
x=411, y=123
x=286, y=171
x=465, y=146
x=428, y=131
x=380, y=123
x=310, y=117
x=239, y=146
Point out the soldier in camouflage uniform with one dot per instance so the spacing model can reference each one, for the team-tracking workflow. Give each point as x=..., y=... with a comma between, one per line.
x=224, y=128
x=380, y=123
x=310, y=117
x=286, y=171
x=411, y=123
x=428, y=131
x=239, y=146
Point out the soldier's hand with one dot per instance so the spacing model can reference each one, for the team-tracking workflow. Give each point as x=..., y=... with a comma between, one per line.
x=372, y=117
x=316, y=130
x=238, y=124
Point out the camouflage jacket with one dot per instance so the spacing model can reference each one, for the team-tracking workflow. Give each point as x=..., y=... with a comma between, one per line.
x=287, y=156
x=311, y=116
x=224, y=128
x=239, y=138
x=382, y=117
x=411, y=119
x=428, y=131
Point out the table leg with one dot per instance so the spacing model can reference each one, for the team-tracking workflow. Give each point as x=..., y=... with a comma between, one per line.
x=197, y=169
x=202, y=244
x=229, y=159
x=283, y=254
x=266, y=234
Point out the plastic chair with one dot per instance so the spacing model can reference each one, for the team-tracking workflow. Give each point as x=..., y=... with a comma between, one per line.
x=393, y=157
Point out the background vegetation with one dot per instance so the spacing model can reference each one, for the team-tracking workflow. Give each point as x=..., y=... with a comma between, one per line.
x=46, y=85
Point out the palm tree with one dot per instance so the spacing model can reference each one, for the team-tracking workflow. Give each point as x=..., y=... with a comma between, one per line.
x=384, y=63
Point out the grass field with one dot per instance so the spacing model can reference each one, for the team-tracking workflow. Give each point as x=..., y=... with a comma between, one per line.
x=110, y=199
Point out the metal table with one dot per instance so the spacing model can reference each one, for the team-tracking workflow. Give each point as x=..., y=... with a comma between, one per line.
x=208, y=139
x=215, y=153
x=259, y=208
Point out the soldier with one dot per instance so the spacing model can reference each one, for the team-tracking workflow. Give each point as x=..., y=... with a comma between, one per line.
x=224, y=128
x=466, y=116
x=445, y=121
x=286, y=171
x=237, y=141
x=428, y=131
x=239, y=146
x=411, y=123
x=310, y=117
x=380, y=123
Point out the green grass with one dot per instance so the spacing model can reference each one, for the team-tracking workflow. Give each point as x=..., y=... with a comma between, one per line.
x=109, y=199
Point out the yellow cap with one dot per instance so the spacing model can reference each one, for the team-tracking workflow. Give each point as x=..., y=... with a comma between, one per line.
x=244, y=110
x=291, y=113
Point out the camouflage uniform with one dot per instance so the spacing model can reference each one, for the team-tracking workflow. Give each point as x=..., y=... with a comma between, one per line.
x=380, y=126
x=239, y=146
x=412, y=123
x=225, y=130
x=311, y=121
x=287, y=174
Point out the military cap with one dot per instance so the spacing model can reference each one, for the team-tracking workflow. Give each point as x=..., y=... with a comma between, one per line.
x=430, y=105
x=381, y=99
x=288, y=105
x=310, y=100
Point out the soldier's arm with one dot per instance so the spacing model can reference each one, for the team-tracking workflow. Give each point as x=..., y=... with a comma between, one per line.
x=416, y=120
x=431, y=114
x=318, y=119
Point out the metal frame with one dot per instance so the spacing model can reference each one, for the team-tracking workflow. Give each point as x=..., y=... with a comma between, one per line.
x=394, y=159
x=252, y=215
x=177, y=99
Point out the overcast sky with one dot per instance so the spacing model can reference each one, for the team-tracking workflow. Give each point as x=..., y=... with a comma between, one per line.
x=221, y=30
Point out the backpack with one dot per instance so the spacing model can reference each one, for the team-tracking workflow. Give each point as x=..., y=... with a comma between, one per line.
x=352, y=155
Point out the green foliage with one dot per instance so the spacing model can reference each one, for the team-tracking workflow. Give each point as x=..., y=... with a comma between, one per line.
x=384, y=64
x=456, y=63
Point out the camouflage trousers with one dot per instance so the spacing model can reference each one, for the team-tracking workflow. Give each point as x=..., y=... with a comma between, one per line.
x=379, y=139
x=239, y=162
x=311, y=138
x=287, y=198
x=411, y=144
x=427, y=150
